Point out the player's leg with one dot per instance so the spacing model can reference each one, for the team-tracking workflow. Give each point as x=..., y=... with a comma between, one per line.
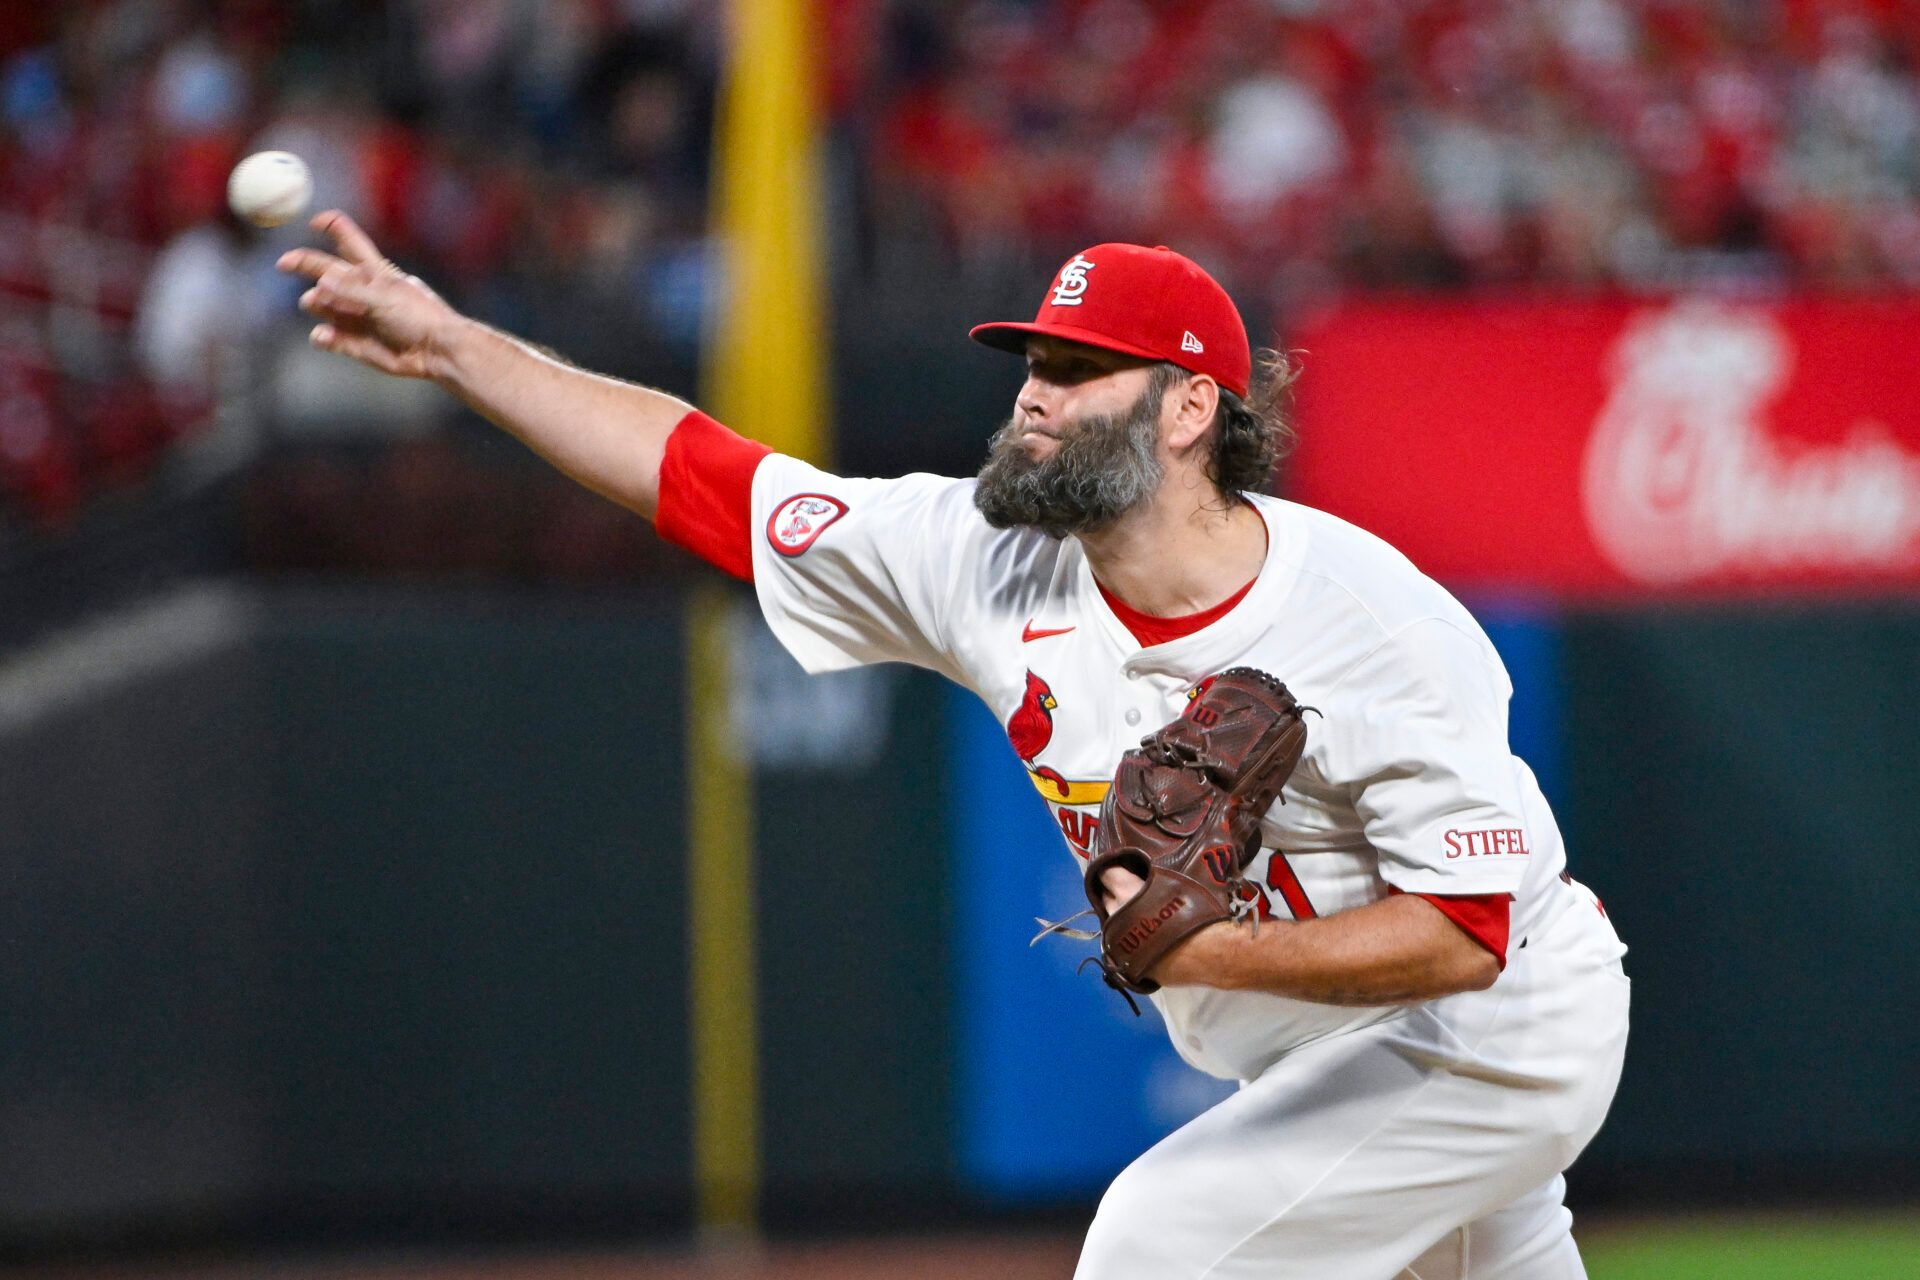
x=1530, y=1239
x=1455, y=1150
x=1352, y=1156
x=1490, y=1132
x=1208, y=1187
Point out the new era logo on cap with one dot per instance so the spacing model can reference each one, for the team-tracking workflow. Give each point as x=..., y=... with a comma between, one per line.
x=1148, y=302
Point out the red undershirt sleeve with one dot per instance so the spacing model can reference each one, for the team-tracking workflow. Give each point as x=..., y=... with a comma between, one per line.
x=1484, y=917
x=706, y=493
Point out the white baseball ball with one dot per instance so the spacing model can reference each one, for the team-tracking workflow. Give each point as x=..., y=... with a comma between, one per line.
x=270, y=187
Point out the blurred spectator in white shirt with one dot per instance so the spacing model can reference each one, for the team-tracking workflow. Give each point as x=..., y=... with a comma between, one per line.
x=194, y=312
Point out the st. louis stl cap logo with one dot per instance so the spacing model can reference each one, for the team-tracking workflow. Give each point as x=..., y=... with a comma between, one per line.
x=1073, y=282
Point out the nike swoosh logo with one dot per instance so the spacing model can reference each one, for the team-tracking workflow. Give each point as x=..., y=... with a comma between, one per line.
x=1028, y=635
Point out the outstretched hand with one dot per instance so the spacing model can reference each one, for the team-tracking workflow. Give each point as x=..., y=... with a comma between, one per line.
x=368, y=308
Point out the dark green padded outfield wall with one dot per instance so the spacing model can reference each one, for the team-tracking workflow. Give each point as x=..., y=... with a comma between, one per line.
x=371, y=921
x=1742, y=793
x=369, y=925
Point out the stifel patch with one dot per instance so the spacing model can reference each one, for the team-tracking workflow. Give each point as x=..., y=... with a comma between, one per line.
x=1495, y=842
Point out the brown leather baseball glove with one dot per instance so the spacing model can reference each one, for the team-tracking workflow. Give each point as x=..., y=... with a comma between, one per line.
x=1184, y=815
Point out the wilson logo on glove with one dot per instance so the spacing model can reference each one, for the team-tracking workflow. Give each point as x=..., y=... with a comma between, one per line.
x=1140, y=932
x=1222, y=863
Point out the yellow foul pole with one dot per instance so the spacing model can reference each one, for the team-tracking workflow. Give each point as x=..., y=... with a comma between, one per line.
x=723, y=991
x=764, y=376
x=766, y=370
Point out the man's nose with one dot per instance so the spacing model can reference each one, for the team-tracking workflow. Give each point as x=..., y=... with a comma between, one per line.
x=1034, y=400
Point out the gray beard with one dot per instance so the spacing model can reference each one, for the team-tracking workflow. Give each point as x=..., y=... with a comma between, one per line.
x=1101, y=468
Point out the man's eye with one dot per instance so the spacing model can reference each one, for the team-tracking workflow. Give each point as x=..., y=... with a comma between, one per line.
x=1070, y=369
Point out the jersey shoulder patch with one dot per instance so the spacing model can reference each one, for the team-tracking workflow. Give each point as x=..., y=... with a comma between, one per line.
x=796, y=522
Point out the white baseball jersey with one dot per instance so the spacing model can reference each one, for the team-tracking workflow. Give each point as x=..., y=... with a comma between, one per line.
x=1407, y=781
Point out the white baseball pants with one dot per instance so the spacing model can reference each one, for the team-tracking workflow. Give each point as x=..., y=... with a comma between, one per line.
x=1429, y=1147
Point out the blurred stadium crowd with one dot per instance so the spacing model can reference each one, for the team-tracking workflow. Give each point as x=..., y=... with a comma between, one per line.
x=545, y=163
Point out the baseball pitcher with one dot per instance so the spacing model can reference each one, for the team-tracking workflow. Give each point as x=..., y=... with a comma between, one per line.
x=1278, y=751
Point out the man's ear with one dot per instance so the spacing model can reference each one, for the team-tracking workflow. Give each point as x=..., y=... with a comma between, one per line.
x=1194, y=404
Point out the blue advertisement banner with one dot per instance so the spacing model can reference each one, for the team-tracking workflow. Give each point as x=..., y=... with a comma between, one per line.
x=1528, y=636
x=1059, y=1085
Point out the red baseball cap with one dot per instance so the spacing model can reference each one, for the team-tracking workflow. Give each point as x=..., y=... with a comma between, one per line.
x=1152, y=303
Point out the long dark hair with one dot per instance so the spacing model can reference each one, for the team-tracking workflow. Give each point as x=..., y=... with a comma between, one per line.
x=1250, y=435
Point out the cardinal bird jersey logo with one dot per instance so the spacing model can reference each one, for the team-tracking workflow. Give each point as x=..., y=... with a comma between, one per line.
x=1030, y=728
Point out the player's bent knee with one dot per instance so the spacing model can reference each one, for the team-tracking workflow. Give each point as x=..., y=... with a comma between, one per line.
x=1134, y=1232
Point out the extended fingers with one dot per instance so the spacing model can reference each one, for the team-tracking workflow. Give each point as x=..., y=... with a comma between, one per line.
x=355, y=248
x=341, y=291
x=312, y=263
x=332, y=306
x=354, y=244
x=358, y=346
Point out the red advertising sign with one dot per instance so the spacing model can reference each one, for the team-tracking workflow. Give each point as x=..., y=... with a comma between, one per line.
x=1621, y=447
